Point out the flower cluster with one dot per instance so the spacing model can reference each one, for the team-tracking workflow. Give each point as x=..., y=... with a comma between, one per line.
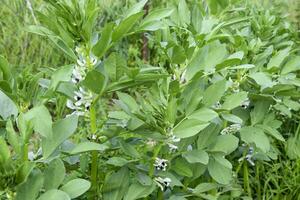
x=160, y=164
x=163, y=182
x=170, y=142
x=81, y=102
x=233, y=128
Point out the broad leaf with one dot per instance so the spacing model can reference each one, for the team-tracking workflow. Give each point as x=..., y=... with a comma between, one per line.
x=76, y=187
x=95, y=81
x=189, y=128
x=30, y=189
x=255, y=135
x=88, y=146
x=54, y=174
x=214, y=92
x=7, y=107
x=219, y=172
x=225, y=143
x=234, y=100
x=54, y=195
x=103, y=43
x=116, y=185
x=196, y=156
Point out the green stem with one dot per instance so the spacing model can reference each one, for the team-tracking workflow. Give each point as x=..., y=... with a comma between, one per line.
x=246, y=180
x=160, y=195
x=156, y=151
x=94, y=165
x=25, y=152
x=258, y=182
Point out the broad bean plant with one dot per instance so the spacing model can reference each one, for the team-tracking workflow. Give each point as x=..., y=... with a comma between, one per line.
x=216, y=99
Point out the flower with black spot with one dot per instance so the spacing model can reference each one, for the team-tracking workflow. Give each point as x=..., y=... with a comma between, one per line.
x=163, y=183
x=160, y=164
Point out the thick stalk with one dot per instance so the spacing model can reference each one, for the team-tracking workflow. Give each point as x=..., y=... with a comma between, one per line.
x=246, y=180
x=160, y=195
x=156, y=151
x=94, y=165
x=25, y=152
x=258, y=183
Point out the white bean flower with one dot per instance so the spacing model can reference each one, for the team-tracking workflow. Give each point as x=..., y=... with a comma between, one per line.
x=170, y=142
x=161, y=164
x=81, y=102
x=163, y=182
x=233, y=128
x=78, y=74
x=245, y=104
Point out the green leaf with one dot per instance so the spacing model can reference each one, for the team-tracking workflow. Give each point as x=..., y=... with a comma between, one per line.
x=156, y=15
x=125, y=26
x=104, y=42
x=277, y=59
x=24, y=171
x=129, y=101
x=116, y=185
x=54, y=195
x=117, y=161
x=7, y=107
x=204, y=187
x=189, y=128
x=260, y=110
x=95, y=81
x=255, y=135
x=206, y=58
x=76, y=187
x=184, y=12
x=60, y=43
x=271, y=131
x=54, y=174
x=214, y=93
x=182, y=167
x=196, y=156
x=233, y=59
x=262, y=79
x=88, y=146
x=178, y=54
x=232, y=118
x=62, y=130
x=4, y=67
x=41, y=120
x=137, y=191
x=152, y=26
x=4, y=151
x=63, y=74
x=225, y=143
x=12, y=137
x=129, y=149
x=292, y=65
x=208, y=136
x=234, y=100
x=219, y=172
x=135, y=8
x=203, y=114
x=293, y=147
x=110, y=66
x=30, y=189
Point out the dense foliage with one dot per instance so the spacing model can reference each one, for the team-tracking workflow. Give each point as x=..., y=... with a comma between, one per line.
x=180, y=99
